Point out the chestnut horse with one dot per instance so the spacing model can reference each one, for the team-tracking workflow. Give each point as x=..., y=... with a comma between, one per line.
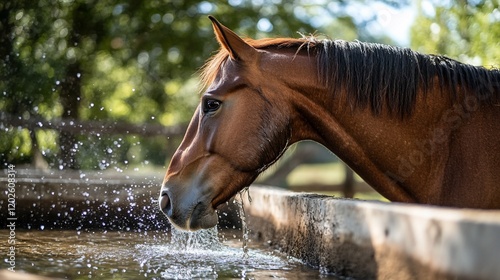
x=417, y=128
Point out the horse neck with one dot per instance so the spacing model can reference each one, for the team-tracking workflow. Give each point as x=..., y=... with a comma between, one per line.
x=409, y=160
x=366, y=142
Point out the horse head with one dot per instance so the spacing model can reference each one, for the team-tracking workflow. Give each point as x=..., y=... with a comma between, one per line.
x=236, y=132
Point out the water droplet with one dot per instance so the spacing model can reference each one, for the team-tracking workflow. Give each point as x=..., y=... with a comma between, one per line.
x=42, y=227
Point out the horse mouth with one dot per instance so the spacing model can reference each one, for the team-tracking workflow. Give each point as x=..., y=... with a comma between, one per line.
x=203, y=216
x=187, y=215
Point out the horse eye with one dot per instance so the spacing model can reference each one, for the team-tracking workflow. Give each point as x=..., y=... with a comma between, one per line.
x=211, y=105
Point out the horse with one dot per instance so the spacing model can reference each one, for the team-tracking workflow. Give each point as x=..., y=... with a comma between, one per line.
x=418, y=128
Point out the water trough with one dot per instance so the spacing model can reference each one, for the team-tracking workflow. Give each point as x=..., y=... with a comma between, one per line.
x=377, y=240
x=85, y=200
x=104, y=225
x=353, y=238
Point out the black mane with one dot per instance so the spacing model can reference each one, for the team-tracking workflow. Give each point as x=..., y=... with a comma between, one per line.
x=375, y=75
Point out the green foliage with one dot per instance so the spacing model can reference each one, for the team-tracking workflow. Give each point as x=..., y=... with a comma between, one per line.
x=464, y=30
x=127, y=61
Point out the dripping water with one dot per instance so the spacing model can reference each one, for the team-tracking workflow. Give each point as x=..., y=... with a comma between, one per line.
x=204, y=239
x=244, y=224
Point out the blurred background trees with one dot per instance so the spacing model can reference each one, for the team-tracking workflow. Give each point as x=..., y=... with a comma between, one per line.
x=465, y=30
x=134, y=63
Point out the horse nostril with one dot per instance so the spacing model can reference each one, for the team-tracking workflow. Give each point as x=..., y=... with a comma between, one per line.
x=165, y=204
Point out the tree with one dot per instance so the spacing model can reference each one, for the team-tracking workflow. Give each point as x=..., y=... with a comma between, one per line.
x=129, y=62
x=464, y=30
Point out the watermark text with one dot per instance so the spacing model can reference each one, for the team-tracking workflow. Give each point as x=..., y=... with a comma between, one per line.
x=11, y=217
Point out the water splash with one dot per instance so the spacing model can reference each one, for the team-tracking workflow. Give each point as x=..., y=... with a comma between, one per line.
x=205, y=239
x=202, y=255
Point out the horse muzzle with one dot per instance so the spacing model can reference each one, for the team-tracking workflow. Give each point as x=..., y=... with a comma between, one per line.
x=188, y=210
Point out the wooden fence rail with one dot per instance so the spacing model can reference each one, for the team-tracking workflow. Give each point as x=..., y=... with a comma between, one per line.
x=91, y=127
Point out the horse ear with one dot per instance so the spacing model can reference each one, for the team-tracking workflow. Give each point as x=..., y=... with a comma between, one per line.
x=238, y=49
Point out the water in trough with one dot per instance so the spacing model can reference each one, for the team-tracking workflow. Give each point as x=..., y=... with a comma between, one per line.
x=44, y=245
x=150, y=255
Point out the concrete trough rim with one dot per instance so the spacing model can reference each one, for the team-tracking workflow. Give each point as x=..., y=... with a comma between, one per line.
x=421, y=241
x=423, y=210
